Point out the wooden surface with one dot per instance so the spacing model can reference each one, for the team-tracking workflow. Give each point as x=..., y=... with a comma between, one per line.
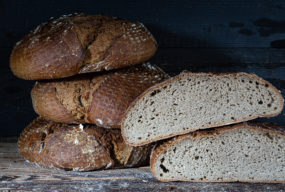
x=18, y=175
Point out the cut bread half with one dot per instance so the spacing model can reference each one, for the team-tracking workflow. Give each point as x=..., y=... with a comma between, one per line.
x=192, y=101
x=244, y=152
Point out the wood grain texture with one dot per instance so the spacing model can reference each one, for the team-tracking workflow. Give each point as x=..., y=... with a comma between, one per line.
x=16, y=174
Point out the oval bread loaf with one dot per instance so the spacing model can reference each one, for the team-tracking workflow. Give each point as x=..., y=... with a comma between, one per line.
x=98, y=98
x=246, y=152
x=80, y=43
x=78, y=148
x=192, y=101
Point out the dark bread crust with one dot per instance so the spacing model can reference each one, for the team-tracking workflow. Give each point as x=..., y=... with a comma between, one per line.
x=164, y=146
x=181, y=75
x=69, y=147
x=79, y=44
x=99, y=99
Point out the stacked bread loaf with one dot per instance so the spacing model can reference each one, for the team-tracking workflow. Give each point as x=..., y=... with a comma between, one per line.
x=110, y=51
x=190, y=114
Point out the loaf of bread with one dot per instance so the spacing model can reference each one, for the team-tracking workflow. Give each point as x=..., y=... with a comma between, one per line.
x=246, y=152
x=80, y=43
x=78, y=147
x=97, y=98
x=192, y=101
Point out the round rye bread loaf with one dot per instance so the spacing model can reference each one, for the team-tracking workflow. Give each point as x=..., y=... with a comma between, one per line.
x=78, y=147
x=96, y=98
x=80, y=43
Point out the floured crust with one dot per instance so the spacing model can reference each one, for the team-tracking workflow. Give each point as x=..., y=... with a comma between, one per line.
x=77, y=147
x=164, y=146
x=80, y=43
x=99, y=99
x=181, y=75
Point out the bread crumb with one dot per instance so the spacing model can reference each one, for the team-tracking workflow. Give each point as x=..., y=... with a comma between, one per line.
x=99, y=121
x=109, y=165
x=81, y=127
x=76, y=141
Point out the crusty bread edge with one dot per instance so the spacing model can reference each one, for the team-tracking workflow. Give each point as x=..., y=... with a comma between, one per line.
x=185, y=73
x=161, y=149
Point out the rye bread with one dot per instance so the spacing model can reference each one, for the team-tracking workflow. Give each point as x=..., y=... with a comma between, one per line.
x=96, y=98
x=78, y=147
x=245, y=152
x=80, y=43
x=192, y=101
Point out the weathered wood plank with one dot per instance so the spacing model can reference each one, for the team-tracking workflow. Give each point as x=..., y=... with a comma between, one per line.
x=16, y=174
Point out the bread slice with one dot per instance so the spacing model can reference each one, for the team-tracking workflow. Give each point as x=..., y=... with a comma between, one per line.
x=192, y=101
x=246, y=152
x=81, y=43
x=78, y=147
x=96, y=98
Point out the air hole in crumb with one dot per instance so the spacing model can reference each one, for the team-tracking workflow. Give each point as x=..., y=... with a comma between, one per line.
x=152, y=103
x=164, y=169
x=260, y=102
x=139, y=138
x=140, y=116
x=232, y=118
x=162, y=159
x=275, y=108
x=155, y=92
x=266, y=85
x=269, y=105
x=174, y=150
x=139, y=121
x=250, y=81
x=161, y=174
x=246, y=155
x=152, y=118
x=196, y=157
x=242, y=80
x=175, y=104
x=164, y=87
x=269, y=136
x=223, y=142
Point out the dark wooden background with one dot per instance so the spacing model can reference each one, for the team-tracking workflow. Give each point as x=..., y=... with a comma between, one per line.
x=200, y=35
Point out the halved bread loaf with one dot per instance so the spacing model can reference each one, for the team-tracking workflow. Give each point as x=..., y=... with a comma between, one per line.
x=192, y=101
x=244, y=152
x=78, y=147
x=81, y=43
x=100, y=98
